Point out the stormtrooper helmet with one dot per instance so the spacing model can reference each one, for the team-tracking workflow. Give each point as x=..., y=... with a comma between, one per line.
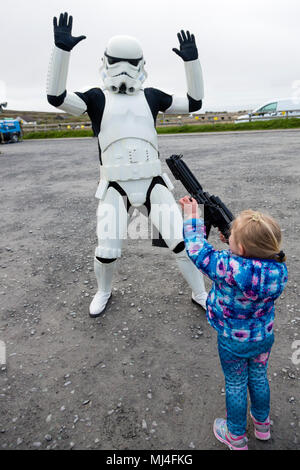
x=123, y=65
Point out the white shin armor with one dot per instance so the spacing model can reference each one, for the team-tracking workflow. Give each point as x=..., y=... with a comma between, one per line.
x=191, y=274
x=104, y=276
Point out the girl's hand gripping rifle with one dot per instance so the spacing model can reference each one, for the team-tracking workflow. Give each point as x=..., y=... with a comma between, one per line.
x=216, y=214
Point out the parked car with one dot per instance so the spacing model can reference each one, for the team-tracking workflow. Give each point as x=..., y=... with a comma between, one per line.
x=10, y=131
x=289, y=107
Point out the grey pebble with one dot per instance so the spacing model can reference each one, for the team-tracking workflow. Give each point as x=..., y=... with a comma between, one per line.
x=37, y=444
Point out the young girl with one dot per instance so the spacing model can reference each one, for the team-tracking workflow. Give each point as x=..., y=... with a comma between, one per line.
x=247, y=279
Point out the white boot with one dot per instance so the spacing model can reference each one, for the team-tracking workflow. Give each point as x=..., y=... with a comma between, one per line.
x=104, y=274
x=193, y=277
x=200, y=299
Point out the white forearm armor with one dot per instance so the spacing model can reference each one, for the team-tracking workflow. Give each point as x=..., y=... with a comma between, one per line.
x=194, y=79
x=195, y=89
x=57, y=80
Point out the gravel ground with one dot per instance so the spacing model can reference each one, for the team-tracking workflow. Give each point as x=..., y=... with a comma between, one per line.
x=145, y=375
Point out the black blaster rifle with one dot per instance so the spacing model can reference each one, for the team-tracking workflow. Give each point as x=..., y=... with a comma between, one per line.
x=216, y=214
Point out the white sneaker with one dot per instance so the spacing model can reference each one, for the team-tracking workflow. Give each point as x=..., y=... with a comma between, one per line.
x=99, y=303
x=200, y=299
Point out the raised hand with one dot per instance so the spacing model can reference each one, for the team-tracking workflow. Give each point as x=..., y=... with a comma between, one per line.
x=223, y=238
x=189, y=207
x=188, y=49
x=63, y=33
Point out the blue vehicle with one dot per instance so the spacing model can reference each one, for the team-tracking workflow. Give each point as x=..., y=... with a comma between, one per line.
x=10, y=131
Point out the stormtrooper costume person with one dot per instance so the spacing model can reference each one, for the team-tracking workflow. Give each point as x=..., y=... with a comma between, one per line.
x=123, y=116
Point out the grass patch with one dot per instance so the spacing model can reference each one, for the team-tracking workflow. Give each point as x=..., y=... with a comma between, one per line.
x=231, y=126
x=291, y=123
x=59, y=134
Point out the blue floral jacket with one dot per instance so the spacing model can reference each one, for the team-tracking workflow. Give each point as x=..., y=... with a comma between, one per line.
x=240, y=304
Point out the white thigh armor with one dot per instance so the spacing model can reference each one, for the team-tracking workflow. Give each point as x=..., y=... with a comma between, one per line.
x=166, y=216
x=112, y=216
x=112, y=220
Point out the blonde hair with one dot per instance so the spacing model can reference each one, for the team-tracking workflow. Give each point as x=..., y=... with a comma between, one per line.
x=259, y=234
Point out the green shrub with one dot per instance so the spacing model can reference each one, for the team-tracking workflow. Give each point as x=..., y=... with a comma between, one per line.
x=59, y=134
x=231, y=126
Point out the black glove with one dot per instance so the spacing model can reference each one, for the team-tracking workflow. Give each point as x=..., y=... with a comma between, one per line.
x=188, y=49
x=63, y=33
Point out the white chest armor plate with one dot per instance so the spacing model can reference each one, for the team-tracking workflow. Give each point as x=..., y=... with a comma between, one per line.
x=128, y=139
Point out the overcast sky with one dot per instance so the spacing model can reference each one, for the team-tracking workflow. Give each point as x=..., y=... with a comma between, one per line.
x=249, y=49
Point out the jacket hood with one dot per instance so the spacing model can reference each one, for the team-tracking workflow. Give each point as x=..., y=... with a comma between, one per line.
x=257, y=278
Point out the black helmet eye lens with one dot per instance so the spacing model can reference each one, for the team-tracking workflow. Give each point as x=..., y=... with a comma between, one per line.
x=113, y=60
x=133, y=62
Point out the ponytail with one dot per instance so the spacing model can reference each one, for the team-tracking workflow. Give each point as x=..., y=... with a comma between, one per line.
x=259, y=234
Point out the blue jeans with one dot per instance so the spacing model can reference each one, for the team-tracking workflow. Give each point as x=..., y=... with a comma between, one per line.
x=240, y=374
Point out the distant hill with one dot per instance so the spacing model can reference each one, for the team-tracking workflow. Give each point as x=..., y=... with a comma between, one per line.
x=41, y=117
